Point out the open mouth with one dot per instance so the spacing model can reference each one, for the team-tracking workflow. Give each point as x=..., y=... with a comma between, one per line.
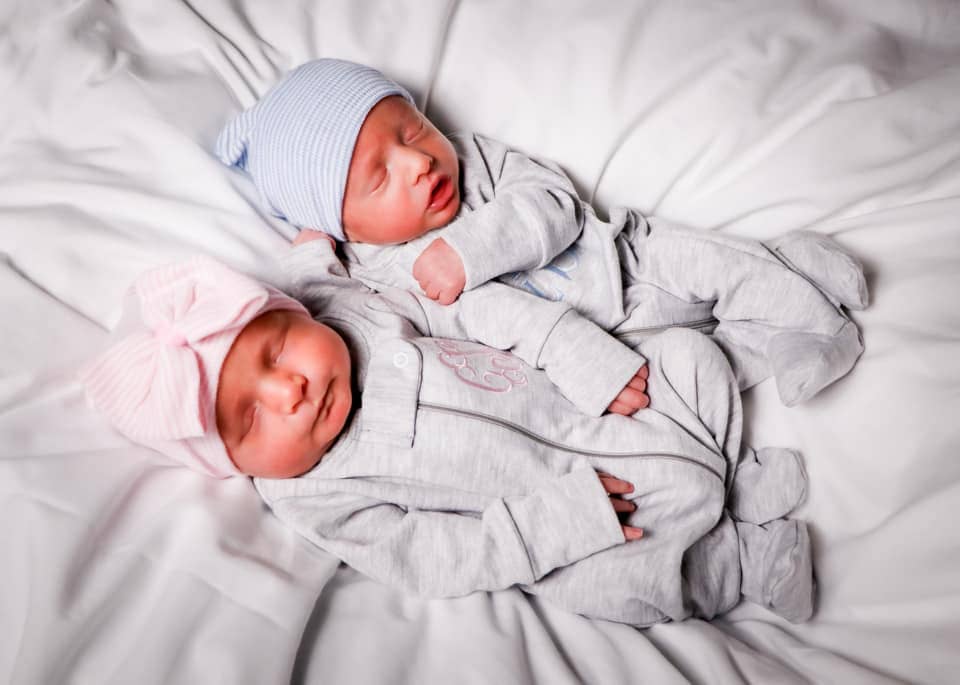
x=440, y=194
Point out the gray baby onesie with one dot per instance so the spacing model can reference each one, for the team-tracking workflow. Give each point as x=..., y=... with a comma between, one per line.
x=773, y=309
x=472, y=466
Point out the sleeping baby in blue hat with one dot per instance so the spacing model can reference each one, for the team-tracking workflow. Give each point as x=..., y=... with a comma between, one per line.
x=341, y=151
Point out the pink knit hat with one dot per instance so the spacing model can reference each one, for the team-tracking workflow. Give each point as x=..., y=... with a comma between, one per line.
x=158, y=383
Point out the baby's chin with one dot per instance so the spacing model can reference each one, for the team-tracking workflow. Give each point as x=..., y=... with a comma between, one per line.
x=289, y=463
x=308, y=466
x=292, y=468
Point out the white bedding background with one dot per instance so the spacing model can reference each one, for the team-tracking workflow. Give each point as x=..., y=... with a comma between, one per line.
x=750, y=117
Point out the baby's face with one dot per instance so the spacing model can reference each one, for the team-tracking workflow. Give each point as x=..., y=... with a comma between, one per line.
x=404, y=177
x=284, y=394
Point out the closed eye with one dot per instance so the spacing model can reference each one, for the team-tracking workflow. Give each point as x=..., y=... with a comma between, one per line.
x=276, y=350
x=415, y=130
x=276, y=345
x=249, y=419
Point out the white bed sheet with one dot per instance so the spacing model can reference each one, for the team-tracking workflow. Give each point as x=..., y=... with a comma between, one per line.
x=749, y=117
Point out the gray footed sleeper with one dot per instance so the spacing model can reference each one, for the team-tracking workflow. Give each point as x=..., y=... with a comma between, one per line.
x=777, y=307
x=469, y=468
x=700, y=553
x=773, y=318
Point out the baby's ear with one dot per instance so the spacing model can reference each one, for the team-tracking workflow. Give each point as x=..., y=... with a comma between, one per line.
x=231, y=146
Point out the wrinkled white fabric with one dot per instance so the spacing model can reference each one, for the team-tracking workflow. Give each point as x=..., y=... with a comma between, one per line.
x=749, y=118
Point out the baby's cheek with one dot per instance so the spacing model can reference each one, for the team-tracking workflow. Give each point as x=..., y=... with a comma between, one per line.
x=302, y=458
x=285, y=461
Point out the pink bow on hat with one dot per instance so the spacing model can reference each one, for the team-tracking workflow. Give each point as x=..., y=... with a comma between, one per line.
x=158, y=384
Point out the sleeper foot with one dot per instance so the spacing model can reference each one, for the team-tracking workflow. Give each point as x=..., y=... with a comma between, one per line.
x=831, y=268
x=768, y=485
x=777, y=568
x=805, y=363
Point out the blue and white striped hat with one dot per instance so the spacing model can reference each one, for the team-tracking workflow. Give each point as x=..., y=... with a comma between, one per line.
x=297, y=141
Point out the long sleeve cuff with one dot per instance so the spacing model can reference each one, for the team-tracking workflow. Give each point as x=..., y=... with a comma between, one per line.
x=566, y=521
x=495, y=240
x=313, y=260
x=587, y=364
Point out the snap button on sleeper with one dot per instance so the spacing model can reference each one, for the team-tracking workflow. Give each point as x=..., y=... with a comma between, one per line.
x=400, y=360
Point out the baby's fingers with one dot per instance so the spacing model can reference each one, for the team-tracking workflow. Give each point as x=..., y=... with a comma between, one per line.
x=618, y=407
x=613, y=485
x=628, y=401
x=622, y=506
x=307, y=234
x=633, y=397
x=423, y=277
x=431, y=290
x=449, y=295
x=631, y=533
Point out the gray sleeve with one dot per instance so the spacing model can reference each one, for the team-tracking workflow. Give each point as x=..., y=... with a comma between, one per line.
x=588, y=365
x=386, y=266
x=516, y=540
x=314, y=274
x=532, y=213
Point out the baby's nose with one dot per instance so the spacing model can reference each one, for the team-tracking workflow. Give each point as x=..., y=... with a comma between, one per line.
x=418, y=163
x=283, y=392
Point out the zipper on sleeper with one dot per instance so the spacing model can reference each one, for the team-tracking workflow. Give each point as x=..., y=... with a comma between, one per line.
x=509, y=425
x=695, y=325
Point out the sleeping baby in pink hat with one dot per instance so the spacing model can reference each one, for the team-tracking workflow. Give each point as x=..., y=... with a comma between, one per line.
x=445, y=451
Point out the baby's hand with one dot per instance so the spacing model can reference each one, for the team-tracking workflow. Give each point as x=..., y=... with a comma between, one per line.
x=633, y=396
x=308, y=234
x=439, y=271
x=615, y=488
